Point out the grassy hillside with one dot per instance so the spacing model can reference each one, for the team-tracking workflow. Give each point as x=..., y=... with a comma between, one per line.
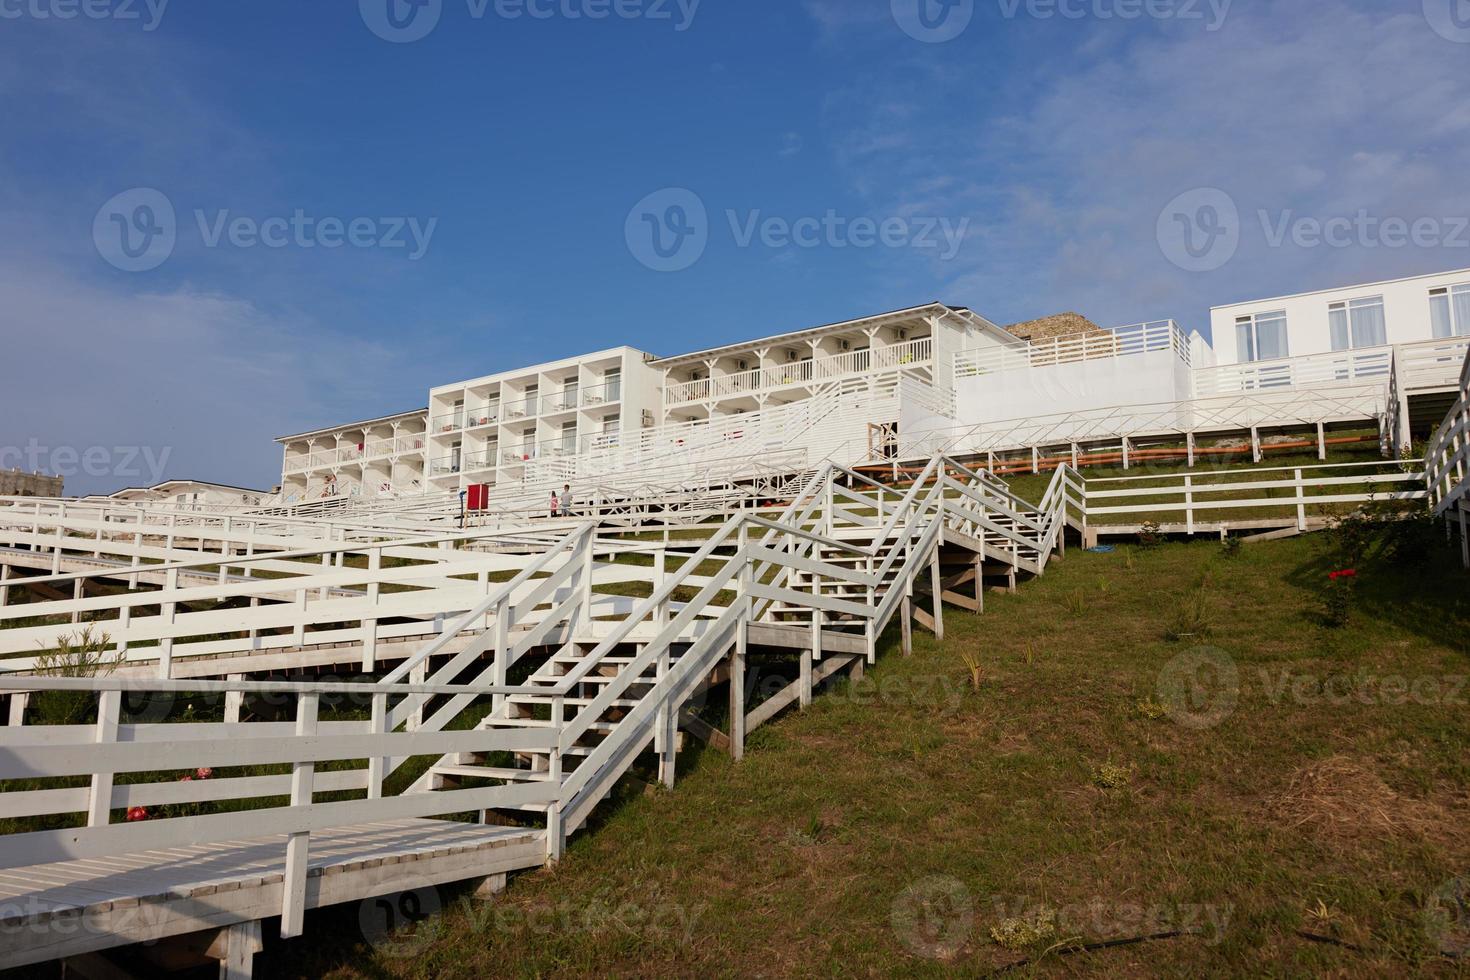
x=1272, y=794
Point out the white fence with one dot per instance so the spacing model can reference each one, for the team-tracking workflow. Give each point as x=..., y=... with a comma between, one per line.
x=1143, y=338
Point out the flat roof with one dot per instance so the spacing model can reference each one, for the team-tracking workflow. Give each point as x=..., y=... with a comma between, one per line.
x=802, y=334
x=543, y=366
x=1338, y=289
x=352, y=425
x=198, y=483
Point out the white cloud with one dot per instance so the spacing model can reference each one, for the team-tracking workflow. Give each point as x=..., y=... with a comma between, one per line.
x=1322, y=107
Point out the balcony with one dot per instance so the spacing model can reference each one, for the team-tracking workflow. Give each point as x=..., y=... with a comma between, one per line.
x=566, y=401
x=377, y=449
x=804, y=372
x=448, y=423
x=447, y=466
x=604, y=394
x=519, y=454
x=521, y=408
x=488, y=415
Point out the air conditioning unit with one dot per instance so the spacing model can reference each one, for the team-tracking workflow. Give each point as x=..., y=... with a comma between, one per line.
x=793, y=356
x=743, y=366
x=846, y=345
x=903, y=335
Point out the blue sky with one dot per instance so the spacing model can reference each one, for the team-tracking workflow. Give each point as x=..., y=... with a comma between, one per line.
x=1053, y=143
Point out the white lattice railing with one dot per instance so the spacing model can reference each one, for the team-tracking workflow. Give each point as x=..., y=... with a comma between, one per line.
x=1447, y=459
x=818, y=370
x=1143, y=338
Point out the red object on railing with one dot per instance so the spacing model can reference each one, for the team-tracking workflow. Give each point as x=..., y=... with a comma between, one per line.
x=477, y=496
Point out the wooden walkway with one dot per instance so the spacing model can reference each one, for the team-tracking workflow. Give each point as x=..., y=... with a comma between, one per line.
x=50, y=911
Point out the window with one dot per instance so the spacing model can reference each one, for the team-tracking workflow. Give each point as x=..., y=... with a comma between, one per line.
x=1449, y=311
x=1261, y=337
x=1357, y=323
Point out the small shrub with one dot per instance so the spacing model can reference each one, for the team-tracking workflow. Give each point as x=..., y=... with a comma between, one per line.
x=1339, y=598
x=1230, y=547
x=1150, y=709
x=1111, y=776
x=85, y=654
x=1150, y=535
x=1024, y=932
x=1189, y=619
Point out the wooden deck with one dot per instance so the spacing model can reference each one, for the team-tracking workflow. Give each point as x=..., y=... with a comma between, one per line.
x=48, y=911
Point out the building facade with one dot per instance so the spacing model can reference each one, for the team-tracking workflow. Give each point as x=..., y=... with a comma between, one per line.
x=1373, y=315
x=19, y=483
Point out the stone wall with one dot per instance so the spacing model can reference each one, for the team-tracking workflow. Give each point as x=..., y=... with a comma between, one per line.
x=18, y=483
x=1049, y=327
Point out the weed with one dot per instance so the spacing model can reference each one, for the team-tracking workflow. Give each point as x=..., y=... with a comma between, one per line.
x=1111, y=776
x=1128, y=560
x=975, y=666
x=1024, y=932
x=1189, y=619
x=1103, y=586
x=1230, y=547
x=83, y=655
x=1076, y=601
x=1150, y=709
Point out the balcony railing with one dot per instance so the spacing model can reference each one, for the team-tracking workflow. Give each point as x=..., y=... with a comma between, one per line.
x=485, y=415
x=447, y=466
x=377, y=449
x=1142, y=338
x=476, y=462
x=803, y=372
x=519, y=454
x=521, y=408
x=565, y=401
x=603, y=394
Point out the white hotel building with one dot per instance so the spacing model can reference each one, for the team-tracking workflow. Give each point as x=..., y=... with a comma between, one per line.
x=902, y=385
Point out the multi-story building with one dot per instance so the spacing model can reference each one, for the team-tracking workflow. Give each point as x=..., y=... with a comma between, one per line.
x=896, y=384
x=380, y=457
x=507, y=427
x=19, y=483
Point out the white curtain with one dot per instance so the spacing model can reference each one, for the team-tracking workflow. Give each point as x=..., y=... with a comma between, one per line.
x=1338, y=323
x=1439, y=316
x=1369, y=328
x=1271, y=337
x=1462, y=311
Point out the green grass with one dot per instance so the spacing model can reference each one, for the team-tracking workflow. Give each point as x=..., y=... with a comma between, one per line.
x=911, y=825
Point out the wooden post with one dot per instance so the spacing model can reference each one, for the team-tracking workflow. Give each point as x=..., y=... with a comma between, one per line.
x=1189, y=442
x=907, y=615
x=805, y=691
x=1321, y=442
x=4, y=589
x=241, y=943
x=378, y=765
x=980, y=580
x=1035, y=461
x=666, y=737
x=1255, y=444
x=1125, y=452
x=99, y=800
x=234, y=700
x=1301, y=502
x=937, y=587
x=293, y=907
x=19, y=700
x=370, y=626
x=1465, y=532
x=737, y=695
x=1189, y=505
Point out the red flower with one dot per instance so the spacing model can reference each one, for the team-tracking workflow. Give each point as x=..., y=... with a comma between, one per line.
x=137, y=813
x=1345, y=573
x=203, y=773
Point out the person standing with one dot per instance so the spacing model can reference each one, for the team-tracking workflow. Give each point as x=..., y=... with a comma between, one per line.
x=566, y=500
x=555, y=505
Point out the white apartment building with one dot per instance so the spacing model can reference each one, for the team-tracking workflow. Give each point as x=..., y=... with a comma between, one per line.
x=1373, y=315
x=901, y=385
x=382, y=457
x=515, y=426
